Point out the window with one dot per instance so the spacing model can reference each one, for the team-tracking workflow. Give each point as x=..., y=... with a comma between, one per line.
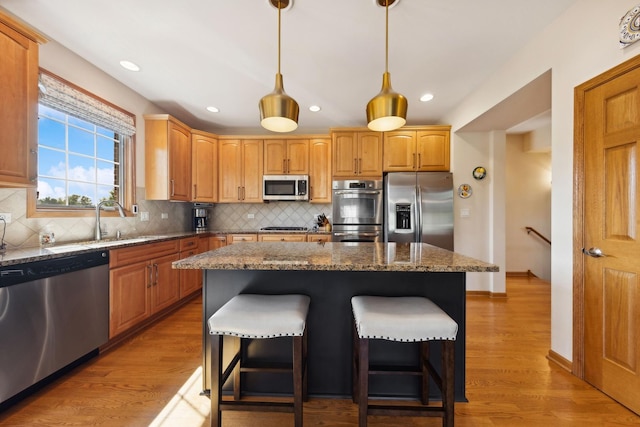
x=85, y=152
x=78, y=161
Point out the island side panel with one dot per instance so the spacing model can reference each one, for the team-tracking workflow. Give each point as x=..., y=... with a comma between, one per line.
x=330, y=324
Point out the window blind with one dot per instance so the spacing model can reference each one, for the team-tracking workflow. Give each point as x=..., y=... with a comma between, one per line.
x=59, y=95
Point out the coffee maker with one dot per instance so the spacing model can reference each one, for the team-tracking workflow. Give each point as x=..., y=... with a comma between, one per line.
x=200, y=216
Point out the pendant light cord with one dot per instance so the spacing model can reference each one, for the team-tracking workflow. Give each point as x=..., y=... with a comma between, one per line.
x=386, y=40
x=279, y=12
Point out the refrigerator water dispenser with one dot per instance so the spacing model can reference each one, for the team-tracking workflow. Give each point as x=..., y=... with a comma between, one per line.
x=403, y=216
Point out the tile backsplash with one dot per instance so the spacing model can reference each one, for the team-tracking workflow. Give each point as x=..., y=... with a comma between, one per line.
x=24, y=232
x=239, y=216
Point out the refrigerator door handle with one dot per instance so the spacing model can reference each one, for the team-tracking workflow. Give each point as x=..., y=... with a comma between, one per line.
x=418, y=216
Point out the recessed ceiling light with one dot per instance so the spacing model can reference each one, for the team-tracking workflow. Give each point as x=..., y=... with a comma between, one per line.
x=212, y=109
x=129, y=66
x=315, y=108
x=426, y=97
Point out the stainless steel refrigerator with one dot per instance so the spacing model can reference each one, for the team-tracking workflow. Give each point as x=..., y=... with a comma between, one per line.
x=419, y=208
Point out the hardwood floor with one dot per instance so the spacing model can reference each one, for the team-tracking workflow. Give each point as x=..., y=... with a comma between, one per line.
x=153, y=379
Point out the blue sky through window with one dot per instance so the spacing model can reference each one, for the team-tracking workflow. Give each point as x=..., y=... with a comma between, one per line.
x=78, y=162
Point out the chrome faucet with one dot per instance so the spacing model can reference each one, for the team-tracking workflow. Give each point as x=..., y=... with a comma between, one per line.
x=98, y=206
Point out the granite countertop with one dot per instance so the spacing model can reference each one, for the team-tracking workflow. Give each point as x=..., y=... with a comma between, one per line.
x=18, y=256
x=413, y=257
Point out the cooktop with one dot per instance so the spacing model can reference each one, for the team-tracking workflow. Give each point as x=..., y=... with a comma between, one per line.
x=278, y=228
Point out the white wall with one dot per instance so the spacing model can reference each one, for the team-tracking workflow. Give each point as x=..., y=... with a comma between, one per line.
x=579, y=45
x=528, y=204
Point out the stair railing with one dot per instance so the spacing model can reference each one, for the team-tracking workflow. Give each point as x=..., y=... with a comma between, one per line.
x=537, y=233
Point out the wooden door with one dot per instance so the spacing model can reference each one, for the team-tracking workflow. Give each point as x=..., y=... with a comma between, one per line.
x=370, y=154
x=179, y=163
x=205, y=168
x=298, y=156
x=129, y=302
x=320, y=171
x=399, y=151
x=229, y=170
x=275, y=156
x=611, y=208
x=432, y=149
x=166, y=283
x=345, y=153
x=252, y=171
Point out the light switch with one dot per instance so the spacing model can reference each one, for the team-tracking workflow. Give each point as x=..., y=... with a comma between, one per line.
x=465, y=213
x=144, y=216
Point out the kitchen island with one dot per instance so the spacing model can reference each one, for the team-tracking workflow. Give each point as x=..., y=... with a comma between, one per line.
x=330, y=274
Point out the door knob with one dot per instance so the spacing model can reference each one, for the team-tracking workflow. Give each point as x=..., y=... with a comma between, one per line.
x=593, y=252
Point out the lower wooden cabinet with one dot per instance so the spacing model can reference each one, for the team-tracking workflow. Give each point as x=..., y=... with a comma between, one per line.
x=191, y=280
x=319, y=238
x=142, y=282
x=217, y=241
x=236, y=238
x=282, y=237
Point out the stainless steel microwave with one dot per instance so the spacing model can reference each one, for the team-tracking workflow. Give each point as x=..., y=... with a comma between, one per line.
x=285, y=187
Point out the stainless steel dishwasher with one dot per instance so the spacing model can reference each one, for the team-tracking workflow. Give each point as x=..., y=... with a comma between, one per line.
x=53, y=313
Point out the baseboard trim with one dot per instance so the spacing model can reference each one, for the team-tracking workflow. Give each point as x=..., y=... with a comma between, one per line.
x=527, y=273
x=486, y=294
x=565, y=364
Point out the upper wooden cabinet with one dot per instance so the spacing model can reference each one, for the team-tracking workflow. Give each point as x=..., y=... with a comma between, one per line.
x=19, y=106
x=286, y=157
x=423, y=149
x=320, y=170
x=240, y=170
x=357, y=154
x=167, y=158
x=204, y=167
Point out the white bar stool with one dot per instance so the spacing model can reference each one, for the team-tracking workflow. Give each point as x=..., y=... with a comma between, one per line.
x=405, y=319
x=251, y=316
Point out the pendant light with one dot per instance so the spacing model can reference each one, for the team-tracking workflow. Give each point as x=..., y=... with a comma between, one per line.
x=388, y=109
x=278, y=111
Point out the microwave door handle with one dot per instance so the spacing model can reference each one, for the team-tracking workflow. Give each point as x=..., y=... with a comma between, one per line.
x=355, y=233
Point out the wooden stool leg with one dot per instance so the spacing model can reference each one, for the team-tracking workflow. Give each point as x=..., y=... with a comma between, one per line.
x=237, y=376
x=448, y=383
x=215, y=376
x=354, y=365
x=298, y=350
x=305, y=394
x=363, y=381
x=424, y=361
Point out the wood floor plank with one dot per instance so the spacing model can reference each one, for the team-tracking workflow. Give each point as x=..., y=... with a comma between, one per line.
x=153, y=379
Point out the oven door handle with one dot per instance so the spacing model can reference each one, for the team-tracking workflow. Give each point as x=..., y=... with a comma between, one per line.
x=356, y=192
x=355, y=233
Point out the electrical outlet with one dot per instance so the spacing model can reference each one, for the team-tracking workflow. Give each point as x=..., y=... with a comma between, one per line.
x=164, y=215
x=144, y=216
x=251, y=216
x=6, y=217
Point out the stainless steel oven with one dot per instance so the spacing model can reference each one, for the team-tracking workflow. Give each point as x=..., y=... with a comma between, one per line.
x=357, y=202
x=357, y=211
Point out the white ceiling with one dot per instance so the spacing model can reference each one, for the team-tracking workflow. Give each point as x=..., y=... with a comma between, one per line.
x=196, y=53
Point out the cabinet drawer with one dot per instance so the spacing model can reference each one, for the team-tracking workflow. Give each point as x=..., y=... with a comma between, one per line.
x=282, y=237
x=235, y=238
x=188, y=243
x=133, y=254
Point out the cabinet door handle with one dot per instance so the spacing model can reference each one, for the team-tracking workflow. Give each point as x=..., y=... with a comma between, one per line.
x=155, y=266
x=413, y=166
x=284, y=165
x=239, y=196
x=360, y=166
x=195, y=191
x=243, y=193
x=418, y=160
x=355, y=166
x=150, y=277
x=173, y=188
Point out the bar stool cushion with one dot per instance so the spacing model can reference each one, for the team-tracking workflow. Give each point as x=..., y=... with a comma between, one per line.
x=401, y=319
x=261, y=316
